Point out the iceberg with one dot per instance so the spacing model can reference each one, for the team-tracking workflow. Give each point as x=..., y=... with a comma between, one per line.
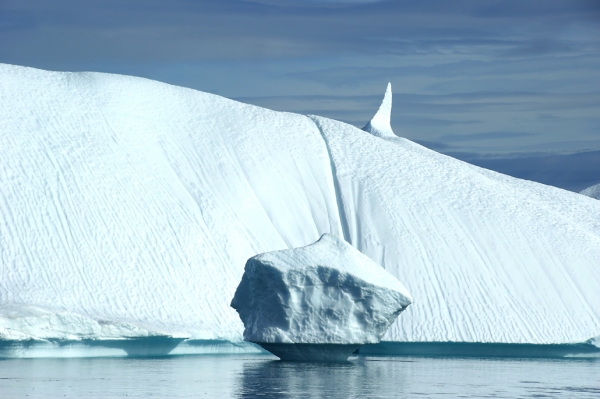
x=135, y=205
x=318, y=302
x=592, y=192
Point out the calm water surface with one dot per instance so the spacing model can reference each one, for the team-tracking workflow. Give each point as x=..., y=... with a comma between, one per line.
x=230, y=376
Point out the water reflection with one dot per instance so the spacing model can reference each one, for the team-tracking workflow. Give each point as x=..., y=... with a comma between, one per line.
x=359, y=378
x=233, y=376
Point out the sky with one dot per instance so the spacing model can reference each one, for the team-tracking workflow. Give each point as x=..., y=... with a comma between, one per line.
x=510, y=85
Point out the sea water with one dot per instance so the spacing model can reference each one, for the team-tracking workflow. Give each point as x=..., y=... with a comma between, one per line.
x=262, y=376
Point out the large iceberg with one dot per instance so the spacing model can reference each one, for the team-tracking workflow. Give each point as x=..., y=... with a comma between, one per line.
x=327, y=295
x=134, y=203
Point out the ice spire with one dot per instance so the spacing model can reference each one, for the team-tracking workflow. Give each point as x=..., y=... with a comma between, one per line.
x=380, y=124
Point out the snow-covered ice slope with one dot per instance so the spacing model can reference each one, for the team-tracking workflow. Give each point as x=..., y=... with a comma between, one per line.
x=136, y=203
x=132, y=200
x=487, y=257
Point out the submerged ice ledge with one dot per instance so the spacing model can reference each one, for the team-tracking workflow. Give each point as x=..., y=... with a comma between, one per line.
x=131, y=347
x=164, y=346
x=481, y=349
x=33, y=332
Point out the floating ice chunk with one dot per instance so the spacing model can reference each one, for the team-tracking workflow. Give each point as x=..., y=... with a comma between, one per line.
x=380, y=124
x=325, y=299
x=593, y=191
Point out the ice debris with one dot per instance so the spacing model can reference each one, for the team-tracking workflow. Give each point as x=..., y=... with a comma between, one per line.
x=323, y=298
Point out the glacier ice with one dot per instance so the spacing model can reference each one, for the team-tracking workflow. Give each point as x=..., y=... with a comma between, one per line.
x=593, y=191
x=326, y=293
x=132, y=202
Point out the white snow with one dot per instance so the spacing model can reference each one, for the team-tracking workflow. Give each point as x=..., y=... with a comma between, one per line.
x=323, y=293
x=132, y=202
x=593, y=191
x=128, y=199
x=380, y=124
x=22, y=322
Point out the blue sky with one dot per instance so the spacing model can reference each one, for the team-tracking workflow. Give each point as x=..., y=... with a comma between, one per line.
x=510, y=85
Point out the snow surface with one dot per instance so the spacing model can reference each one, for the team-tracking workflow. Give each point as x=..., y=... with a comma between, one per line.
x=323, y=293
x=380, y=125
x=135, y=203
x=22, y=322
x=593, y=191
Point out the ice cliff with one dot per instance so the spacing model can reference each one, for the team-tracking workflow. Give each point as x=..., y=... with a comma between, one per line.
x=323, y=293
x=136, y=204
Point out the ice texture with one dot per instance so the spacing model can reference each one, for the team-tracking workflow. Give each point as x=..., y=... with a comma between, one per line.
x=126, y=200
x=593, y=191
x=323, y=293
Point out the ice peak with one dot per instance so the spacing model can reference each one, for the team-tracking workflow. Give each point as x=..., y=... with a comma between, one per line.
x=380, y=124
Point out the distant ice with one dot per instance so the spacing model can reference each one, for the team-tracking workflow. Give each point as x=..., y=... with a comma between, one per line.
x=593, y=191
